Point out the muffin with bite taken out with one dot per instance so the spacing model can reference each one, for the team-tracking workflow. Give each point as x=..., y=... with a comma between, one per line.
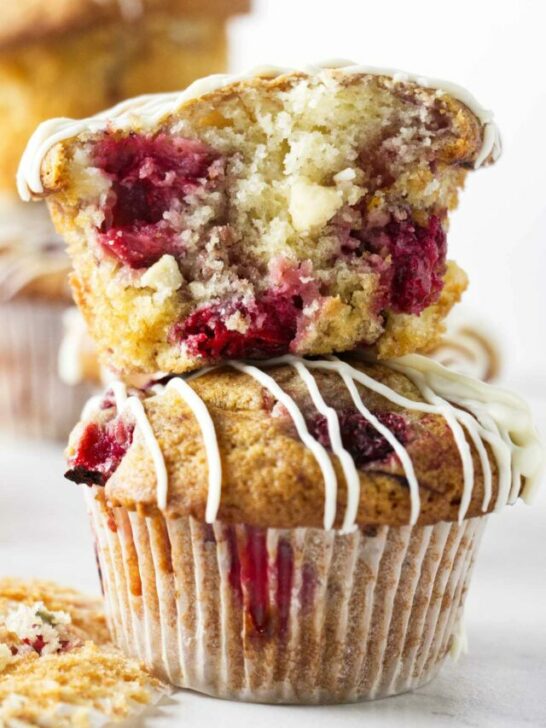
x=282, y=211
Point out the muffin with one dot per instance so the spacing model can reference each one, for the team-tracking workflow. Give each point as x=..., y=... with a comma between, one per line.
x=51, y=673
x=74, y=57
x=34, y=295
x=302, y=532
x=248, y=217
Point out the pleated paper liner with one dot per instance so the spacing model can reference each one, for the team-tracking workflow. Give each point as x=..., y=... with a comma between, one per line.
x=284, y=615
x=34, y=402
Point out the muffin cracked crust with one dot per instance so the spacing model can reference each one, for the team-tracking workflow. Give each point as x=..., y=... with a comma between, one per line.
x=399, y=459
x=301, y=212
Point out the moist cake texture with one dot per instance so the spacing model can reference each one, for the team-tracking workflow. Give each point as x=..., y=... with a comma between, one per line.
x=301, y=212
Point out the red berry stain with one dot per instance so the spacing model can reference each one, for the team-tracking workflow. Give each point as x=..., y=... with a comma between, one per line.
x=37, y=644
x=414, y=280
x=285, y=576
x=271, y=325
x=249, y=576
x=150, y=175
x=234, y=575
x=359, y=436
x=99, y=451
x=254, y=578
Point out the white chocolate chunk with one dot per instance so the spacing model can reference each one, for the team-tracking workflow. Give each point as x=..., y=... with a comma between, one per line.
x=163, y=276
x=312, y=205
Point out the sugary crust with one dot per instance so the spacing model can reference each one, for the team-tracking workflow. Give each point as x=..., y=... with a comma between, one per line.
x=270, y=478
x=45, y=77
x=87, y=615
x=28, y=20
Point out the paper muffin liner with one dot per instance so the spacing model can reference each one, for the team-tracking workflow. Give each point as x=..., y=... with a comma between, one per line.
x=283, y=615
x=34, y=401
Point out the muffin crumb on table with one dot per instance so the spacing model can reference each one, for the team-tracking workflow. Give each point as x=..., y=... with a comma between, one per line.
x=57, y=663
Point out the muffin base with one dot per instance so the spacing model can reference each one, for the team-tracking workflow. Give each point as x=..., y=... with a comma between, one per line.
x=361, y=616
x=34, y=401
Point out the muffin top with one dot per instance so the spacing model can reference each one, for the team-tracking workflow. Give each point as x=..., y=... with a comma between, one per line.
x=316, y=443
x=28, y=20
x=475, y=139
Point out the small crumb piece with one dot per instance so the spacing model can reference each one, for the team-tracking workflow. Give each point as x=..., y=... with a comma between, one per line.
x=86, y=686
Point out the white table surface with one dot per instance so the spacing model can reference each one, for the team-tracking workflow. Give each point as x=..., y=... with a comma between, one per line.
x=501, y=683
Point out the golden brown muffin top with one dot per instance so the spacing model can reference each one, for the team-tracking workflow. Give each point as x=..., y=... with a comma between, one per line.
x=271, y=477
x=27, y=20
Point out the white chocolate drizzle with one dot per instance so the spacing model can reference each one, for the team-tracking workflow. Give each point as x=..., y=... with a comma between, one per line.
x=318, y=450
x=151, y=109
x=134, y=405
x=473, y=410
x=214, y=462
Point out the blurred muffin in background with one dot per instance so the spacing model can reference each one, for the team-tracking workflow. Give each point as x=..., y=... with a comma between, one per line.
x=73, y=58
x=34, y=295
x=79, y=363
x=469, y=346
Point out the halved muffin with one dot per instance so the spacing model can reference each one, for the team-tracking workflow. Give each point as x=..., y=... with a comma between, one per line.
x=284, y=211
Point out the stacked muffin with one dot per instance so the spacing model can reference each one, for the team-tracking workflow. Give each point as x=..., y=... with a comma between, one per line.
x=285, y=512
x=73, y=58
